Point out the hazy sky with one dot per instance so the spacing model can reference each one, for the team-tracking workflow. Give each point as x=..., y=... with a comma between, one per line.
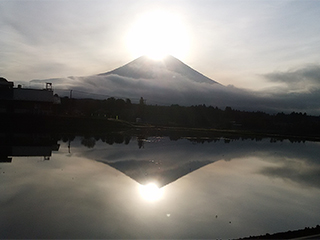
x=248, y=44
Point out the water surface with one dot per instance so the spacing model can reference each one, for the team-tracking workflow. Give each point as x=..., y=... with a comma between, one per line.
x=209, y=188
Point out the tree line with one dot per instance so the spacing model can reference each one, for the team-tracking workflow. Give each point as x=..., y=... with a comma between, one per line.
x=196, y=116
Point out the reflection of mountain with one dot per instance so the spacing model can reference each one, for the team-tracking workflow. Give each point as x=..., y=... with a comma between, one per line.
x=161, y=173
x=26, y=145
x=165, y=161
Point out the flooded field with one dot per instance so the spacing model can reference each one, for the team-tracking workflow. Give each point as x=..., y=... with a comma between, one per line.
x=156, y=187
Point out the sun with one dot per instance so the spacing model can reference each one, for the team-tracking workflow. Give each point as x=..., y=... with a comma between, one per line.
x=151, y=192
x=158, y=34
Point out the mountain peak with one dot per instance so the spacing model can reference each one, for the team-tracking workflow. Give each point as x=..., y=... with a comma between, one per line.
x=148, y=68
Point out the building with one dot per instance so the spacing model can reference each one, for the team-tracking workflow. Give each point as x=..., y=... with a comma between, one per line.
x=25, y=100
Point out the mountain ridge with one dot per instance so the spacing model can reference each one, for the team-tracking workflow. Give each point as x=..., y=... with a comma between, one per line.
x=147, y=68
x=170, y=81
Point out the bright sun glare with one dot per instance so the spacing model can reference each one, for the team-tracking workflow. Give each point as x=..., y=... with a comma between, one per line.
x=158, y=34
x=151, y=192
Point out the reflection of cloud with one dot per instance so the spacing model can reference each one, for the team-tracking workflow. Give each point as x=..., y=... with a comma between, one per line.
x=76, y=197
x=296, y=170
x=165, y=157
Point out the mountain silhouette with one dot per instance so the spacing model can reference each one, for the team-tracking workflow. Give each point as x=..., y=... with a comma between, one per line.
x=145, y=172
x=162, y=82
x=170, y=81
x=169, y=67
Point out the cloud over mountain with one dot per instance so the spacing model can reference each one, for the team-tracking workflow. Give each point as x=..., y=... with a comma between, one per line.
x=172, y=82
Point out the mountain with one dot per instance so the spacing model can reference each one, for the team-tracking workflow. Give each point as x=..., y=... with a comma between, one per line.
x=163, y=82
x=147, y=68
x=170, y=81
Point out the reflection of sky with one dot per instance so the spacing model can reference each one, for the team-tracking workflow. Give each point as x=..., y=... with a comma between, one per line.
x=173, y=154
x=249, y=194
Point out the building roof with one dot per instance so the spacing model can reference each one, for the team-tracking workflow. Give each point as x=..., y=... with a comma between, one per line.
x=5, y=82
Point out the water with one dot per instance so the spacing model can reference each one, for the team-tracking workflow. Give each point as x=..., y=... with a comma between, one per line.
x=88, y=187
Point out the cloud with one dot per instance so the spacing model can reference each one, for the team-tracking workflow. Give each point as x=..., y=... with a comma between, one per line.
x=167, y=90
x=300, y=79
x=164, y=90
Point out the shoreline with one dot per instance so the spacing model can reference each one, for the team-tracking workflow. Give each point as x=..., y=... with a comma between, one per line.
x=92, y=125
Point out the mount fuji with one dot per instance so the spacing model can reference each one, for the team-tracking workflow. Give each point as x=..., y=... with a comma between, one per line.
x=166, y=82
x=167, y=68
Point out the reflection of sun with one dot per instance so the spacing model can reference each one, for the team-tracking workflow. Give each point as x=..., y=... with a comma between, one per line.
x=158, y=34
x=151, y=192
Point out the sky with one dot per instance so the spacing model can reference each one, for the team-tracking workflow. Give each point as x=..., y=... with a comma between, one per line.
x=256, y=45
